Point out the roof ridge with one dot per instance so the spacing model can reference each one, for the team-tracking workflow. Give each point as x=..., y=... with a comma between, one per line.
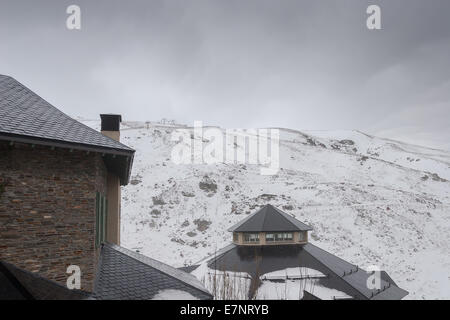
x=284, y=217
x=265, y=215
x=344, y=278
x=339, y=276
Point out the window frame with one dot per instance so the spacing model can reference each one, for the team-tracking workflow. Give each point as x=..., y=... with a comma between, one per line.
x=249, y=239
x=270, y=239
x=280, y=237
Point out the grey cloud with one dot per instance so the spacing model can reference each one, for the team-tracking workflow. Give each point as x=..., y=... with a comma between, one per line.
x=298, y=64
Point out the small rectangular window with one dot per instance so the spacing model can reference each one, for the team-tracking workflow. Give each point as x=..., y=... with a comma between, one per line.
x=301, y=236
x=251, y=237
x=270, y=237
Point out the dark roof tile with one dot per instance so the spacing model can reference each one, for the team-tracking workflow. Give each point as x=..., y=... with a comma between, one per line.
x=269, y=219
x=126, y=275
x=341, y=275
x=27, y=118
x=24, y=113
x=19, y=284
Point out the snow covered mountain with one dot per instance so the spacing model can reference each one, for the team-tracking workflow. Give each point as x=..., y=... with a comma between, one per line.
x=371, y=201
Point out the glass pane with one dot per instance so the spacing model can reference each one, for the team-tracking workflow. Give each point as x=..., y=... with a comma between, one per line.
x=269, y=237
x=251, y=237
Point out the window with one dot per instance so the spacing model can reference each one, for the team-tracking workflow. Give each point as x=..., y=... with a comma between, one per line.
x=278, y=237
x=235, y=237
x=302, y=236
x=101, y=207
x=288, y=236
x=251, y=237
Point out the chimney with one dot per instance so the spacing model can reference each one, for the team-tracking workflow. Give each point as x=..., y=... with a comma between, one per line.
x=111, y=128
x=111, y=125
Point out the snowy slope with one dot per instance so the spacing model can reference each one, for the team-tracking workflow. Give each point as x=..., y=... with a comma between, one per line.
x=371, y=201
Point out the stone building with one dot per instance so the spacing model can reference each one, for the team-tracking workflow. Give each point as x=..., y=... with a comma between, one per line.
x=60, y=206
x=59, y=185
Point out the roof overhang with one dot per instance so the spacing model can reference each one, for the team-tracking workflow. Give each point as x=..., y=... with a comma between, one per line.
x=117, y=161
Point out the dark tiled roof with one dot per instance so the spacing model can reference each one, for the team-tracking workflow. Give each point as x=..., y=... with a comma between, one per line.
x=26, y=117
x=342, y=275
x=19, y=284
x=126, y=275
x=24, y=113
x=269, y=219
x=354, y=276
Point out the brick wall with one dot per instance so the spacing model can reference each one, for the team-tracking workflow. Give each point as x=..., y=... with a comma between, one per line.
x=47, y=209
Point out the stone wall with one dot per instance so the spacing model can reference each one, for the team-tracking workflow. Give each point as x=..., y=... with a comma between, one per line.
x=47, y=209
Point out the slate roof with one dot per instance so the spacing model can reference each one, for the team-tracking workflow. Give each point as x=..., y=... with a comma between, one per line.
x=23, y=112
x=19, y=284
x=127, y=275
x=341, y=275
x=26, y=117
x=356, y=277
x=269, y=219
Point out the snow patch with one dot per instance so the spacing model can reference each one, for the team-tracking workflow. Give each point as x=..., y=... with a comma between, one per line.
x=173, y=294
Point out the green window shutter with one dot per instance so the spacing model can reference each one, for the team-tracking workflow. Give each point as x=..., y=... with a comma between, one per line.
x=104, y=215
x=101, y=218
x=97, y=220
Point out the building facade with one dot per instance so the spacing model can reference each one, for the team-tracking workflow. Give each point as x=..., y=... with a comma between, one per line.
x=48, y=209
x=59, y=186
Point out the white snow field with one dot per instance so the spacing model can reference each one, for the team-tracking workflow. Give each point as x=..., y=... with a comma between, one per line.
x=371, y=201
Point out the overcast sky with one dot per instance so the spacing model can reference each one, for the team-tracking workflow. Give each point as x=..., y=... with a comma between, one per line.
x=240, y=63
